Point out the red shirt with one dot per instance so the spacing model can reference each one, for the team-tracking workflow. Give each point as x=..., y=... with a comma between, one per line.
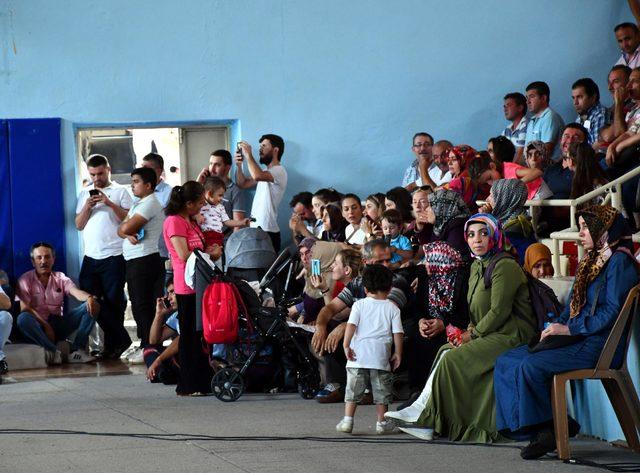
x=175, y=225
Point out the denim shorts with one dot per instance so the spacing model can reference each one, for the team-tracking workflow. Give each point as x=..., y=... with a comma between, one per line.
x=358, y=379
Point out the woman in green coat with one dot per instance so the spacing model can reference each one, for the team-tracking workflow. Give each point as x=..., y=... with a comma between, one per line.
x=458, y=400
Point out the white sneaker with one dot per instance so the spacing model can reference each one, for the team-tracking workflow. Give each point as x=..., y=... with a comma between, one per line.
x=345, y=426
x=128, y=351
x=424, y=434
x=64, y=348
x=137, y=357
x=79, y=356
x=53, y=357
x=385, y=427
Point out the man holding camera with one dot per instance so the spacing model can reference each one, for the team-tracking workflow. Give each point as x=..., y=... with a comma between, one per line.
x=101, y=208
x=270, y=184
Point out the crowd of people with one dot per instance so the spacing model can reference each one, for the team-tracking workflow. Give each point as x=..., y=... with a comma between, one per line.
x=402, y=285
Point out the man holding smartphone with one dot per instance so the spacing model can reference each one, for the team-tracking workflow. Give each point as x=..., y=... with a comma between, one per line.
x=270, y=184
x=103, y=269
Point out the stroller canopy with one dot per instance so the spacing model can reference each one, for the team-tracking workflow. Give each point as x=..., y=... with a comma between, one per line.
x=249, y=248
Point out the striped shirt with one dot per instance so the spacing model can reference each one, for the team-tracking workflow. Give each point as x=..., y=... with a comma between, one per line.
x=519, y=135
x=594, y=120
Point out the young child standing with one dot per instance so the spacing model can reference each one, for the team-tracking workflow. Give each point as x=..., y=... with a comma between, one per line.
x=213, y=216
x=373, y=327
x=401, y=249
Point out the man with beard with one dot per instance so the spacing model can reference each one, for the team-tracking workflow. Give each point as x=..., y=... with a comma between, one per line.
x=44, y=320
x=515, y=110
x=591, y=113
x=270, y=184
x=101, y=208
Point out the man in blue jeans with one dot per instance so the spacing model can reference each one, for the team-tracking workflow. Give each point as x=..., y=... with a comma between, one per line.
x=43, y=318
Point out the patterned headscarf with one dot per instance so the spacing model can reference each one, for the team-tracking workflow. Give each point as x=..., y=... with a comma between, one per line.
x=497, y=239
x=509, y=197
x=541, y=148
x=443, y=264
x=446, y=204
x=535, y=252
x=609, y=231
x=465, y=154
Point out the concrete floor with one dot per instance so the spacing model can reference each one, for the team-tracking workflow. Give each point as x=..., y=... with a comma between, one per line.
x=119, y=410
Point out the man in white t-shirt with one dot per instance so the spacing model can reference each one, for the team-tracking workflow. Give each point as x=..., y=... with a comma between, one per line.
x=100, y=209
x=144, y=268
x=270, y=183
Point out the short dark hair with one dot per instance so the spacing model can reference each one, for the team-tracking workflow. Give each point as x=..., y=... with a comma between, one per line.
x=224, y=154
x=479, y=164
x=97, y=160
x=213, y=183
x=421, y=133
x=351, y=196
x=393, y=216
x=589, y=86
x=190, y=191
x=541, y=88
x=377, y=278
x=626, y=24
x=518, y=98
x=621, y=67
x=40, y=244
x=303, y=198
x=576, y=126
x=156, y=159
x=276, y=141
x=327, y=195
x=147, y=175
x=503, y=149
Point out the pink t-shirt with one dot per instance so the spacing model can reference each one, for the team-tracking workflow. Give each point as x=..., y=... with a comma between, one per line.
x=175, y=225
x=48, y=300
x=510, y=173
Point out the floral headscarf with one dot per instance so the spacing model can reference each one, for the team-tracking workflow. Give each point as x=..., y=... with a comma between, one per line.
x=509, y=196
x=609, y=231
x=446, y=204
x=541, y=148
x=465, y=154
x=443, y=263
x=497, y=239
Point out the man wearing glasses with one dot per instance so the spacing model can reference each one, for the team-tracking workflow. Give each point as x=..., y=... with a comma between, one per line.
x=422, y=148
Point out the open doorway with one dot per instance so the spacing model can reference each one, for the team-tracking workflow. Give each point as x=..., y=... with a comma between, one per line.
x=185, y=150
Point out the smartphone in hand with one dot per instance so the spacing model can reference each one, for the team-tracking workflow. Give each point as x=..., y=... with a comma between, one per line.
x=94, y=193
x=315, y=267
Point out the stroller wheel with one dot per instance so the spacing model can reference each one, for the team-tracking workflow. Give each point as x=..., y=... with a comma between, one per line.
x=227, y=385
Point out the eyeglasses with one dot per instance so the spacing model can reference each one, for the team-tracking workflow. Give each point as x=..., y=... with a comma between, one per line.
x=422, y=145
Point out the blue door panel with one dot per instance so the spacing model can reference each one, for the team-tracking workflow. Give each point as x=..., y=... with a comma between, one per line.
x=6, y=239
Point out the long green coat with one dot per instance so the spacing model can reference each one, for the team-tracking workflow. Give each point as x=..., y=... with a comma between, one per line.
x=462, y=403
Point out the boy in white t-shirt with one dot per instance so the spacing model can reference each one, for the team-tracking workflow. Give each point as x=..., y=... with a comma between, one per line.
x=374, y=326
x=213, y=215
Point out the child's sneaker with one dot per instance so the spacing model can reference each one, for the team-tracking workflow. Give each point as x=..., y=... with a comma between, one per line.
x=385, y=427
x=345, y=426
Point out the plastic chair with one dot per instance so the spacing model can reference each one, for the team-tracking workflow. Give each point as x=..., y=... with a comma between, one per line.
x=617, y=383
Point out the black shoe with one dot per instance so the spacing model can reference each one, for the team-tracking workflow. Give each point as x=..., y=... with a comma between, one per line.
x=409, y=401
x=545, y=442
x=4, y=369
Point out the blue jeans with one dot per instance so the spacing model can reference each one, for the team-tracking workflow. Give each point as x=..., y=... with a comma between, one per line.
x=6, y=321
x=72, y=320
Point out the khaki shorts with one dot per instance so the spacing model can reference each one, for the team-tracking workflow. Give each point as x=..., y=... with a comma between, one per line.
x=359, y=378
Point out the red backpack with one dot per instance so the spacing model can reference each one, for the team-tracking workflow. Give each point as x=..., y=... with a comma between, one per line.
x=221, y=304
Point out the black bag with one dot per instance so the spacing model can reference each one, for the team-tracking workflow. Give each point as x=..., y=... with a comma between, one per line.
x=553, y=341
x=546, y=306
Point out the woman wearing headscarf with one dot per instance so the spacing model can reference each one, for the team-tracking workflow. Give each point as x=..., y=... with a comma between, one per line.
x=537, y=261
x=448, y=212
x=506, y=201
x=459, y=159
x=523, y=379
x=458, y=399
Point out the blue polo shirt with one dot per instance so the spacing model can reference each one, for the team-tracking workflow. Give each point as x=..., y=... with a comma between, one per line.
x=546, y=127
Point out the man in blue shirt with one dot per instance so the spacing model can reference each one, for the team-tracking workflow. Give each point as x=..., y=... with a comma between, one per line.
x=591, y=113
x=545, y=125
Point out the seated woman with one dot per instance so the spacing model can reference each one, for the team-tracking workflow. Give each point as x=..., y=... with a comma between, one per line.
x=399, y=199
x=531, y=174
x=448, y=213
x=459, y=158
x=373, y=210
x=483, y=174
x=587, y=173
x=457, y=401
x=333, y=224
x=523, y=379
x=537, y=261
x=419, y=231
x=353, y=214
x=506, y=203
x=313, y=298
x=446, y=304
x=320, y=199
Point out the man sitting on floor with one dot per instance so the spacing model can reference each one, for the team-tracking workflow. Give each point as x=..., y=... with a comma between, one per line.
x=43, y=318
x=6, y=322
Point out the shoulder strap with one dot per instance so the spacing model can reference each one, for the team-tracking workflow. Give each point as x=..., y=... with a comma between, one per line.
x=488, y=273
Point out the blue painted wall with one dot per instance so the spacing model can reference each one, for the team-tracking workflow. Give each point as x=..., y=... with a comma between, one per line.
x=345, y=83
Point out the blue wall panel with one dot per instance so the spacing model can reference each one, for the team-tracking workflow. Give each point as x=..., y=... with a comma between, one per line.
x=37, y=206
x=6, y=240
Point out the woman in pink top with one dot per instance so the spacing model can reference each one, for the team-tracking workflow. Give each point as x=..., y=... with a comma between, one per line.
x=182, y=235
x=502, y=151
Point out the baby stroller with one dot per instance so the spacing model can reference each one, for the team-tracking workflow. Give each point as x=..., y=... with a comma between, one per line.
x=268, y=324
